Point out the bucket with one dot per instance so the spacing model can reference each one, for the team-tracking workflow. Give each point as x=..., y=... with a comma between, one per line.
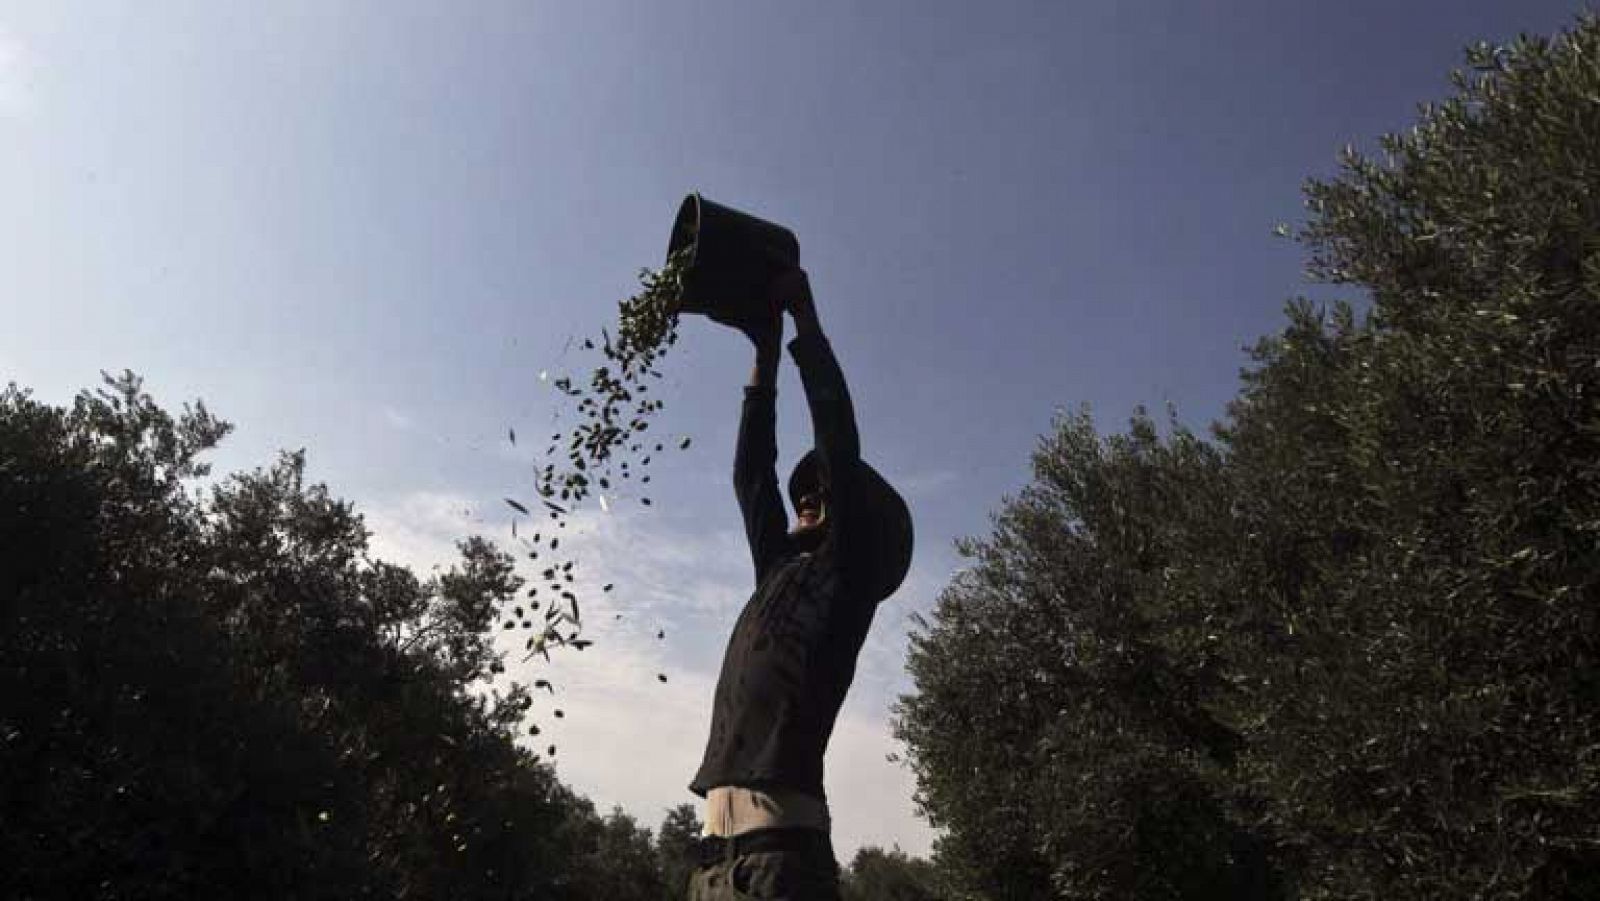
x=735, y=259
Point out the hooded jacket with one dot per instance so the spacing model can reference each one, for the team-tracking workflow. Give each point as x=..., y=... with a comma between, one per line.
x=792, y=654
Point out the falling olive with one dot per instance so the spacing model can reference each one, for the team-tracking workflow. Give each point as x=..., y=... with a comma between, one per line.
x=612, y=405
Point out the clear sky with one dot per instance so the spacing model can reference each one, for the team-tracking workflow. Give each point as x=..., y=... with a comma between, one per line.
x=365, y=228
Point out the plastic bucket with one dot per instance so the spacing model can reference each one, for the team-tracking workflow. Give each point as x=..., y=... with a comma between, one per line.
x=736, y=257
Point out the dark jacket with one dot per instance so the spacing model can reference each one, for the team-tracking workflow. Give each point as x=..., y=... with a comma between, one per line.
x=792, y=654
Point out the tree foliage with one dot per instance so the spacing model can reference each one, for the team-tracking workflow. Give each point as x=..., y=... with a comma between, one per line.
x=879, y=875
x=620, y=859
x=675, y=847
x=217, y=693
x=1346, y=649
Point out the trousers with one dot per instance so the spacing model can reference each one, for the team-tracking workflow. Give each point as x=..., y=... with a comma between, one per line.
x=766, y=865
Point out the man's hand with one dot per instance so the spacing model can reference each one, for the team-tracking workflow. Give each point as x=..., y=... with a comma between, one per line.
x=766, y=331
x=792, y=291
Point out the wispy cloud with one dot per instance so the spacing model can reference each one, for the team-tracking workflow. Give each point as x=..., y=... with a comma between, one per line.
x=398, y=419
x=420, y=530
x=17, y=69
x=663, y=568
x=922, y=484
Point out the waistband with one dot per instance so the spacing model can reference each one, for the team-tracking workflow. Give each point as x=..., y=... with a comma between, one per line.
x=732, y=810
x=714, y=849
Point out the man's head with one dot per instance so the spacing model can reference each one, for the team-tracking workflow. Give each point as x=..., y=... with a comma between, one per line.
x=884, y=536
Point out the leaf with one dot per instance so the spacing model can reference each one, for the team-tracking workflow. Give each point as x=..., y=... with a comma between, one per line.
x=544, y=684
x=512, y=434
x=581, y=643
x=684, y=444
x=517, y=507
x=661, y=676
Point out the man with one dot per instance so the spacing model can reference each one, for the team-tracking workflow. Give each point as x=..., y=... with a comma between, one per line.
x=793, y=650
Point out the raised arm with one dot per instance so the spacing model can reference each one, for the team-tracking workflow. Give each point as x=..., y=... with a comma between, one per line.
x=833, y=418
x=755, y=480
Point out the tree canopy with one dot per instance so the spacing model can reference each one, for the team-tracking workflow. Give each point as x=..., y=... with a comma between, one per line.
x=216, y=692
x=1346, y=647
x=878, y=875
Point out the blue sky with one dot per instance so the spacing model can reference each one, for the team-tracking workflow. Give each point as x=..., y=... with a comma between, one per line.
x=365, y=228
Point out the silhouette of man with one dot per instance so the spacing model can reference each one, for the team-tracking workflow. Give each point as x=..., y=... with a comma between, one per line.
x=792, y=654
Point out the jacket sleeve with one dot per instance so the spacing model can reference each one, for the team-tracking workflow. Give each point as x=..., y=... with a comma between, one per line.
x=755, y=481
x=833, y=422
